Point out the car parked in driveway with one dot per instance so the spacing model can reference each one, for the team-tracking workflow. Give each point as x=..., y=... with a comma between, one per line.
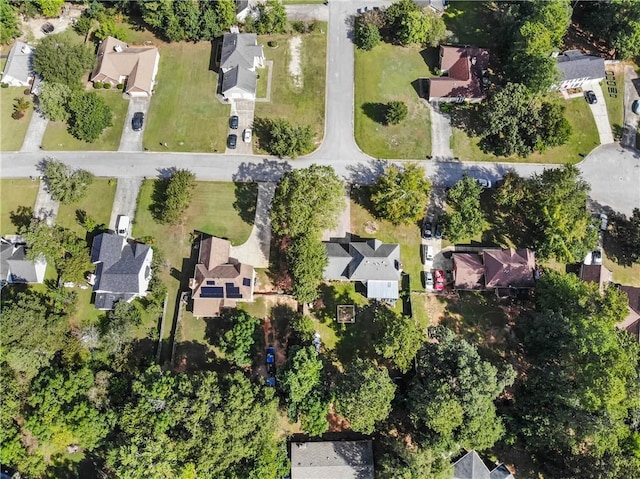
x=428, y=280
x=591, y=97
x=271, y=366
x=246, y=135
x=233, y=122
x=137, y=121
x=427, y=253
x=635, y=107
x=122, y=226
x=232, y=141
x=438, y=233
x=439, y=279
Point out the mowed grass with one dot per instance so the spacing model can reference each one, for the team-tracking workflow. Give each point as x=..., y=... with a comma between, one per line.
x=407, y=236
x=12, y=131
x=57, y=138
x=626, y=275
x=300, y=105
x=13, y=194
x=389, y=73
x=583, y=139
x=184, y=112
x=615, y=99
x=470, y=23
x=97, y=204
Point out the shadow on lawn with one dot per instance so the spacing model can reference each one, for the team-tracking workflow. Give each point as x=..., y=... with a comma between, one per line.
x=21, y=218
x=376, y=112
x=246, y=200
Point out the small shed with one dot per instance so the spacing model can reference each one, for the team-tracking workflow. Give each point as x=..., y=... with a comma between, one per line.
x=346, y=313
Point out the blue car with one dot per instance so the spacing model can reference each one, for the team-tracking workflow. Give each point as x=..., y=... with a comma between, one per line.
x=271, y=366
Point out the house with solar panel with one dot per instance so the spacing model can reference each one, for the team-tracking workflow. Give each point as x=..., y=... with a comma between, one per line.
x=219, y=281
x=371, y=262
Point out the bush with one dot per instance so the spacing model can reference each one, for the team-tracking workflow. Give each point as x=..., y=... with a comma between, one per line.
x=82, y=25
x=106, y=86
x=272, y=43
x=396, y=112
x=367, y=35
x=4, y=85
x=120, y=86
x=97, y=85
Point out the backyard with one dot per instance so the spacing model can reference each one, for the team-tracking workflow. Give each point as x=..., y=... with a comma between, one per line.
x=97, y=204
x=302, y=103
x=13, y=131
x=391, y=73
x=15, y=193
x=471, y=23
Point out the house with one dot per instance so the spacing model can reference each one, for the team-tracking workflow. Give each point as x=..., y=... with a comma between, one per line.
x=437, y=6
x=576, y=68
x=240, y=57
x=632, y=322
x=14, y=265
x=463, y=75
x=493, y=269
x=592, y=273
x=372, y=262
x=19, y=68
x=470, y=466
x=218, y=280
x=332, y=459
x=136, y=67
x=123, y=269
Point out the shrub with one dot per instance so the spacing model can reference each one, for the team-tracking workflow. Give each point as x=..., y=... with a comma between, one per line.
x=367, y=35
x=82, y=25
x=97, y=85
x=106, y=86
x=396, y=112
x=272, y=43
x=120, y=86
x=4, y=85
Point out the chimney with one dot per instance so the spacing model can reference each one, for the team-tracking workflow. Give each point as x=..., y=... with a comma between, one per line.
x=117, y=48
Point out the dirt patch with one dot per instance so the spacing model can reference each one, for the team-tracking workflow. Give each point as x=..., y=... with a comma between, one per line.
x=295, y=68
x=32, y=28
x=371, y=227
x=579, y=39
x=336, y=422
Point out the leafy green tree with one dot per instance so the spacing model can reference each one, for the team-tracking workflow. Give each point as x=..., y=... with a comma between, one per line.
x=226, y=13
x=272, y=18
x=238, y=341
x=281, y=138
x=89, y=116
x=313, y=413
x=367, y=35
x=397, y=338
x=396, y=112
x=397, y=461
x=421, y=26
x=307, y=200
x=8, y=22
x=83, y=25
x=626, y=235
x=397, y=12
x=363, y=395
x=401, y=195
x=307, y=259
x=109, y=28
x=53, y=101
x=465, y=218
x=300, y=376
x=50, y=8
x=64, y=184
x=177, y=196
x=60, y=59
x=617, y=23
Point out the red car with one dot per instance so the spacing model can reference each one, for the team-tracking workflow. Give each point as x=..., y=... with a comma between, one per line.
x=439, y=277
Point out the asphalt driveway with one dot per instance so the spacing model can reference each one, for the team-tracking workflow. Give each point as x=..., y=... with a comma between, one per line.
x=132, y=140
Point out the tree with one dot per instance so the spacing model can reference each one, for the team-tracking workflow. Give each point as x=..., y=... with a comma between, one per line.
x=89, y=116
x=109, y=28
x=300, y=376
x=20, y=106
x=61, y=60
x=626, y=235
x=177, y=196
x=400, y=195
x=238, y=341
x=367, y=35
x=50, y=8
x=451, y=398
x=421, y=26
x=398, y=461
x=397, y=338
x=396, y=112
x=617, y=23
x=272, y=18
x=307, y=259
x=307, y=200
x=281, y=138
x=363, y=395
x=465, y=218
x=53, y=101
x=66, y=185
x=8, y=22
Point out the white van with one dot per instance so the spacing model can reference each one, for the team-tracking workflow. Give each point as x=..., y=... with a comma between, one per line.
x=427, y=253
x=122, y=226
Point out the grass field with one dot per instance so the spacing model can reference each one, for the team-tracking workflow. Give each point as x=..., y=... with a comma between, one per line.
x=13, y=131
x=300, y=105
x=97, y=203
x=15, y=193
x=390, y=73
x=583, y=139
x=184, y=110
x=615, y=99
x=58, y=138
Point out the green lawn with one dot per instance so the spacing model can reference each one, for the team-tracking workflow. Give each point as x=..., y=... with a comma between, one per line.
x=470, y=23
x=615, y=105
x=13, y=131
x=583, y=139
x=184, y=112
x=301, y=106
x=58, y=138
x=407, y=236
x=13, y=194
x=97, y=203
x=389, y=73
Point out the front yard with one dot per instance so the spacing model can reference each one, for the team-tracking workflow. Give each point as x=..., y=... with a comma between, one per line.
x=97, y=205
x=15, y=193
x=13, y=131
x=613, y=90
x=390, y=73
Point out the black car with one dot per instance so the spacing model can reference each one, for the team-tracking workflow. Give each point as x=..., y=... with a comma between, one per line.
x=137, y=121
x=590, y=96
x=47, y=28
x=233, y=122
x=232, y=141
x=635, y=107
x=438, y=234
x=427, y=230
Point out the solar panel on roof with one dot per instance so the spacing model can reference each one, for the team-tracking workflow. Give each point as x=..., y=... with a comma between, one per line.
x=212, y=292
x=211, y=282
x=246, y=282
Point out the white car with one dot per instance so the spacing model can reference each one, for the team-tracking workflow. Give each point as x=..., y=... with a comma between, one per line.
x=246, y=136
x=122, y=226
x=604, y=221
x=484, y=182
x=428, y=280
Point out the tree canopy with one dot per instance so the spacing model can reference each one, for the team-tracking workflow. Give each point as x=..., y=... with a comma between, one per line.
x=272, y=18
x=400, y=195
x=408, y=23
x=625, y=234
x=616, y=22
x=397, y=338
x=8, y=22
x=465, y=218
x=238, y=341
x=89, y=116
x=64, y=184
x=176, y=196
x=307, y=259
x=54, y=100
x=280, y=137
x=61, y=60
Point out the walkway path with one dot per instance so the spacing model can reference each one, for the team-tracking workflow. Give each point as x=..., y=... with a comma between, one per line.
x=125, y=200
x=256, y=250
x=46, y=208
x=35, y=132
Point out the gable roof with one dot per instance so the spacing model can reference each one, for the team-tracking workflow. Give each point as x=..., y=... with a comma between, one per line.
x=332, y=460
x=469, y=271
x=465, y=67
x=241, y=78
x=19, y=66
x=239, y=49
x=117, y=59
x=16, y=268
x=494, y=268
x=574, y=64
x=595, y=273
x=363, y=261
x=632, y=322
x=471, y=466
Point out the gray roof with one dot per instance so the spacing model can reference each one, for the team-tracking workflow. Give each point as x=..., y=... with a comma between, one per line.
x=238, y=77
x=574, y=64
x=108, y=300
x=20, y=63
x=14, y=267
x=470, y=466
x=501, y=472
x=239, y=49
x=119, y=264
x=382, y=289
x=363, y=261
x=332, y=460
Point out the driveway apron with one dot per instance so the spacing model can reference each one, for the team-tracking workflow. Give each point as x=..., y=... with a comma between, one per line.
x=35, y=132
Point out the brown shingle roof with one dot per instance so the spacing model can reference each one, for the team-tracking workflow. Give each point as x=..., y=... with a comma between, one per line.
x=632, y=322
x=465, y=67
x=469, y=271
x=509, y=268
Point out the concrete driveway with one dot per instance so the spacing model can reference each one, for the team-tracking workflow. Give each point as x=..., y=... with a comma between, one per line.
x=35, y=132
x=245, y=111
x=600, y=114
x=132, y=140
x=440, y=133
x=125, y=200
x=343, y=224
x=630, y=119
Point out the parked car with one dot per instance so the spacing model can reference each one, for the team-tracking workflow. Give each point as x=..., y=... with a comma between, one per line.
x=246, y=136
x=635, y=107
x=122, y=225
x=484, y=182
x=438, y=233
x=588, y=259
x=591, y=97
x=271, y=366
x=604, y=221
x=233, y=122
x=427, y=230
x=596, y=257
x=440, y=280
x=427, y=253
x=47, y=28
x=428, y=280
x=232, y=141
x=137, y=121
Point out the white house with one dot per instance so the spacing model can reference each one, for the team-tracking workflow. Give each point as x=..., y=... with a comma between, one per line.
x=576, y=68
x=240, y=57
x=19, y=68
